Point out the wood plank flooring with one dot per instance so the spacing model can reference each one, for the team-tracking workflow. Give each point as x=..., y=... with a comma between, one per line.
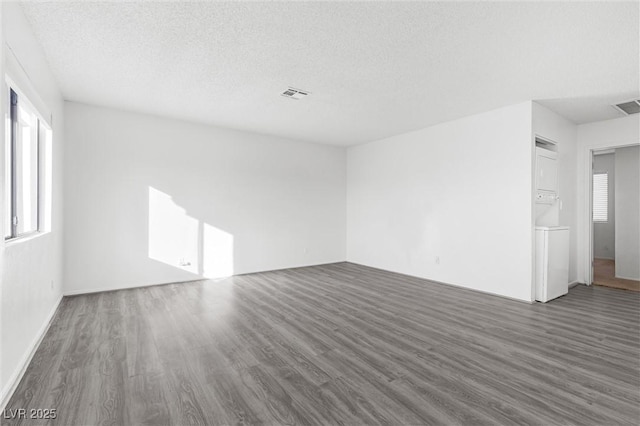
x=336, y=344
x=604, y=273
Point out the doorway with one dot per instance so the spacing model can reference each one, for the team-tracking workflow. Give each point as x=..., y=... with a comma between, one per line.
x=615, y=218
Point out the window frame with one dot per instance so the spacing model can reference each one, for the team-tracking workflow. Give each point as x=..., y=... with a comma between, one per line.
x=15, y=98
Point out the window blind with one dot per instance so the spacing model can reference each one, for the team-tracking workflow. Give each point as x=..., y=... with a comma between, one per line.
x=600, y=197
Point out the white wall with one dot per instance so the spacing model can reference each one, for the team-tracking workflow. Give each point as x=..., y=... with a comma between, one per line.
x=144, y=193
x=552, y=126
x=598, y=135
x=460, y=191
x=3, y=381
x=604, y=238
x=31, y=275
x=627, y=212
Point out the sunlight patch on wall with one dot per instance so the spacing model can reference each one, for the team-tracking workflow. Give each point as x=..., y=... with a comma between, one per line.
x=173, y=235
x=217, y=256
x=182, y=241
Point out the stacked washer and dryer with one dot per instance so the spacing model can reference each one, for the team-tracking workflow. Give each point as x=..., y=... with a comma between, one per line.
x=551, y=239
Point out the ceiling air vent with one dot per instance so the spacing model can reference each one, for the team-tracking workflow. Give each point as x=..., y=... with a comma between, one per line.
x=292, y=93
x=628, y=108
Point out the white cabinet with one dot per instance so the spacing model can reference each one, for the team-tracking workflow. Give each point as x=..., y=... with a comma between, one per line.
x=552, y=262
x=546, y=176
x=547, y=168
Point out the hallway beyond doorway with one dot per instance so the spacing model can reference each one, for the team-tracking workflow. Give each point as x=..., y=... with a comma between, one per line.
x=604, y=274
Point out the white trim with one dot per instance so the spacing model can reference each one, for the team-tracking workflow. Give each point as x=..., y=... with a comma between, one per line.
x=13, y=382
x=574, y=283
x=532, y=206
x=197, y=278
x=585, y=219
x=604, y=151
x=541, y=138
x=604, y=258
x=625, y=278
x=105, y=289
x=16, y=78
x=488, y=293
x=8, y=242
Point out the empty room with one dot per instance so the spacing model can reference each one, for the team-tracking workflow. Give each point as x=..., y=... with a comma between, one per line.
x=320, y=213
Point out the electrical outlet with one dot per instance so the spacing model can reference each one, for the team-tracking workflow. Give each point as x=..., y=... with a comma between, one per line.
x=437, y=260
x=51, y=284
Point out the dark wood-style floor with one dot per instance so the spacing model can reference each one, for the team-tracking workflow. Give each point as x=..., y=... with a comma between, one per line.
x=337, y=344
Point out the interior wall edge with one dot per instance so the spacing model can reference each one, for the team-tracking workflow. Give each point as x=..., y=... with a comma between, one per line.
x=14, y=380
x=429, y=280
x=80, y=292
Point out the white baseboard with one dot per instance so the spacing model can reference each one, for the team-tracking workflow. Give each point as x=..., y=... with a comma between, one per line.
x=627, y=278
x=447, y=284
x=574, y=283
x=13, y=382
x=105, y=289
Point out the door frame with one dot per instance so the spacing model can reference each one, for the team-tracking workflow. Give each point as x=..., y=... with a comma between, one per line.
x=585, y=216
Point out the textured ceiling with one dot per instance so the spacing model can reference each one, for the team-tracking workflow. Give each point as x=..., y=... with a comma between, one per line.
x=374, y=69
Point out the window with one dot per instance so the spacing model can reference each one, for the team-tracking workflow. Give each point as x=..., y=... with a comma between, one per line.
x=27, y=156
x=600, y=197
